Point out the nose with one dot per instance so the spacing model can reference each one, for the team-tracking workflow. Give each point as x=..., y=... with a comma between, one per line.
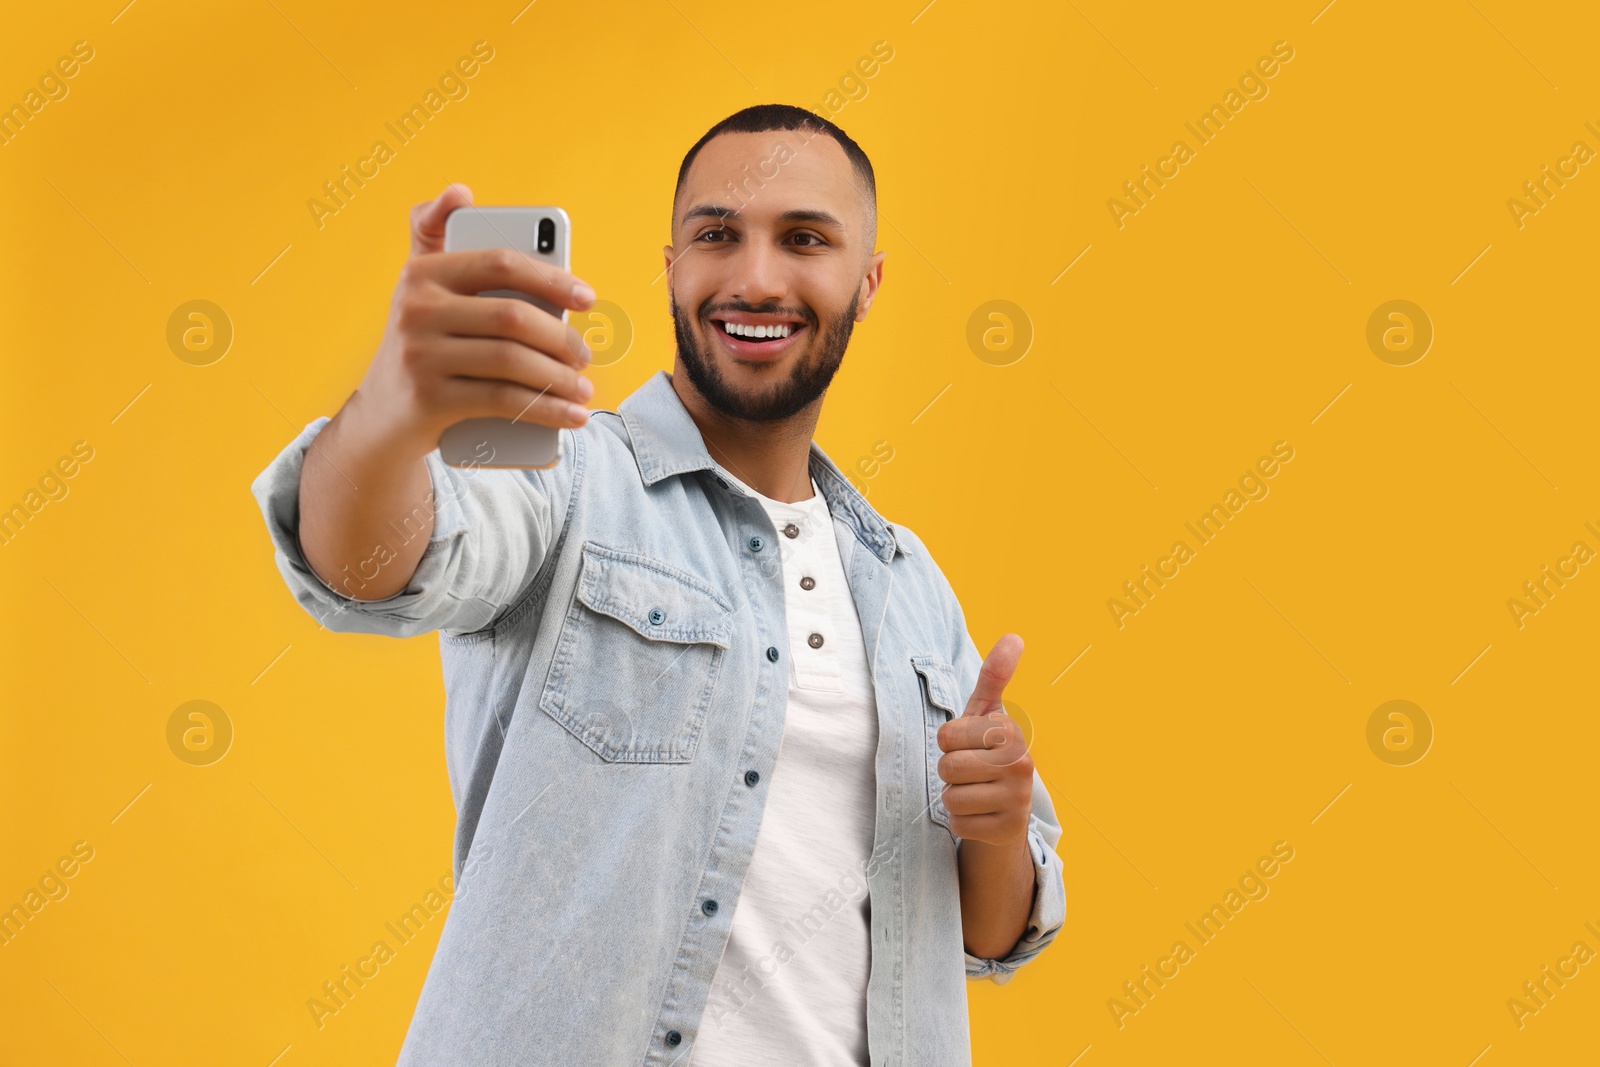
x=759, y=274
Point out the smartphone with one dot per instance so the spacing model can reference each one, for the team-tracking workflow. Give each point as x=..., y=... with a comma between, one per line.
x=540, y=233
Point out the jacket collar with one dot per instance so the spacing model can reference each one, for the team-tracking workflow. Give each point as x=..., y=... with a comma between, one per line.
x=667, y=442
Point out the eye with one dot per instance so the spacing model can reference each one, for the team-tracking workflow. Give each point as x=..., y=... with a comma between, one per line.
x=815, y=240
x=719, y=231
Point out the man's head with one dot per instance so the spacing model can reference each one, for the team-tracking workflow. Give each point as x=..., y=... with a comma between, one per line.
x=773, y=224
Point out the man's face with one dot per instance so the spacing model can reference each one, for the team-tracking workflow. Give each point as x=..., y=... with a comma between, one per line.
x=784, y=249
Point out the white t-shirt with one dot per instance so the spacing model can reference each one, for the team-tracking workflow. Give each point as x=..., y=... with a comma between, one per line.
x=791, y=987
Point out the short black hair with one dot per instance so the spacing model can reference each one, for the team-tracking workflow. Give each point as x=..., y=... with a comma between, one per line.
x=761, y=118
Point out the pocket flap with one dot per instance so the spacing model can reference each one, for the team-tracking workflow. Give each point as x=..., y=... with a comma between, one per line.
x=940, y=679
x=654, y=599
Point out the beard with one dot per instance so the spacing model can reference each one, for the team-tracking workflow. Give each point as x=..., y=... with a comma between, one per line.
x=808, y=378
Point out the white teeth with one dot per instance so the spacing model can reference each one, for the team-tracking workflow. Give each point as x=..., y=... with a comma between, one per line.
x=757, y=332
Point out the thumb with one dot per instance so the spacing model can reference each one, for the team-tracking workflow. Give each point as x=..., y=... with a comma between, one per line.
x=996, y=671
x=427, y=219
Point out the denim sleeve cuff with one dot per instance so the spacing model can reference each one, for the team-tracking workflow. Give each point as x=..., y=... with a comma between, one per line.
x=424, y=604
x=1045, y=919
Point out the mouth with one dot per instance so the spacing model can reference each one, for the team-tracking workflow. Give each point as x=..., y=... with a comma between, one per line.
x=757, y=337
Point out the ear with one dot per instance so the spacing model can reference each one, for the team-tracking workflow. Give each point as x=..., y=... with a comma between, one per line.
x=870, y=283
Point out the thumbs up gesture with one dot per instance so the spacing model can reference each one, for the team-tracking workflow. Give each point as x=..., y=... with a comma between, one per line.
x=989, y=774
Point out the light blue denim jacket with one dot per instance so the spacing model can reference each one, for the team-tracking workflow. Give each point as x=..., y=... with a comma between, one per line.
x=615, y=657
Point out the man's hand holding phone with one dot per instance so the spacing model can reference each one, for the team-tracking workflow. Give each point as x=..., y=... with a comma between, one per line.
x=446, y=355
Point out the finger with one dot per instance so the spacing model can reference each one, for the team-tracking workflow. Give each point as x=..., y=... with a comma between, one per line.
x=482, y=269
x=499, y=359
x=990, y=732
x=997, y=669
x=978, y=798
x=997, y=738
x=960, y=768
x=517, y=320
x=427, y=219
x=480, y=398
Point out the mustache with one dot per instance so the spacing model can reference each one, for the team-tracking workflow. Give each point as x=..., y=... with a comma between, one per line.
x=806, y=315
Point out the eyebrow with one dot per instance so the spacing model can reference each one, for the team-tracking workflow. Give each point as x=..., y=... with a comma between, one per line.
x=715, y=211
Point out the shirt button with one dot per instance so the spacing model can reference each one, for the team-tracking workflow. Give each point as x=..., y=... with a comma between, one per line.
x=791, y=530
x=673, y=1037
x=709, y=907
x=657, y=616
x=815, y=640
x=808, y=583
x=772, y=653
x=756, y=544
x=752, y=777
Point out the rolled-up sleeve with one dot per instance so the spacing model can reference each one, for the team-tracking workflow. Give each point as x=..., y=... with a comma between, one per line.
x=1049, y=911
x=491, y=531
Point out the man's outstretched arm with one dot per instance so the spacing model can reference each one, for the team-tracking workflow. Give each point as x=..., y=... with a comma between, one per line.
x=446, y=355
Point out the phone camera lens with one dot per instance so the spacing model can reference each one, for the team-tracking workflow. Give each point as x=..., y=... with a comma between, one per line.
x=547, y=235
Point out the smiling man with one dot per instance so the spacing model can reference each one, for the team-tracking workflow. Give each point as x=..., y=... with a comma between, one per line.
x=733, y=783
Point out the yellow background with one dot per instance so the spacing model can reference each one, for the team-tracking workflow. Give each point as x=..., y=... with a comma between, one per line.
x=1226, y=315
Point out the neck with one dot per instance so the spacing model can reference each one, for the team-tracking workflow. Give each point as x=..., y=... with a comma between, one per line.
x=773, y=458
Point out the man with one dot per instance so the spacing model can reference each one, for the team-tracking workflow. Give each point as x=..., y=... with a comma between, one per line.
x=720, y=797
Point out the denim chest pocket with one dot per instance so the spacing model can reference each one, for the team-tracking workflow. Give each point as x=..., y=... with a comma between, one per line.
x=938, y=707
x=638, y=657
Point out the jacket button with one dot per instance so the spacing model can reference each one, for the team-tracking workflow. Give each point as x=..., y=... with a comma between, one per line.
x=815, y=640
x=673, y=1037
x=657, y=616
x=772, y=653
x=752, y=777
x=808, y=583
x=791, y=530
x=709, y=907
x=756, y=544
